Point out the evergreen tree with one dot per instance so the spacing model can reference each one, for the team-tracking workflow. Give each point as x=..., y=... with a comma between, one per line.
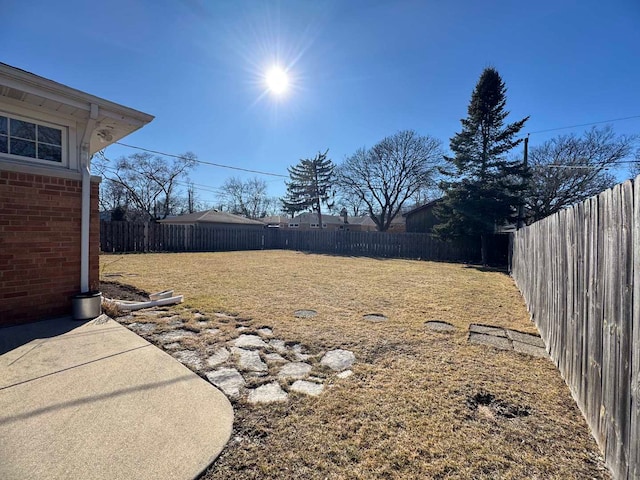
x=310, y=186
x=484, y=188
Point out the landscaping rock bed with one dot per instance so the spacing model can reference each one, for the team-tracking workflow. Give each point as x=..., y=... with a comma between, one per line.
x=254, y=365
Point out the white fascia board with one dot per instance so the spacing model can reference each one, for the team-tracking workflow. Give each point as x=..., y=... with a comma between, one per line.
x=36, y=85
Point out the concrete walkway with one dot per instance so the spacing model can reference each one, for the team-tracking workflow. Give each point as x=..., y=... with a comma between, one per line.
x=94, y=400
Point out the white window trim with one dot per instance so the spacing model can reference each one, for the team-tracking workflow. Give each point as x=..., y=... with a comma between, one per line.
x=36, y=161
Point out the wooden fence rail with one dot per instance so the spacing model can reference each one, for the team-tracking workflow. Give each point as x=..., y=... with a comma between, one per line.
x=579, y=273
x=123, y=237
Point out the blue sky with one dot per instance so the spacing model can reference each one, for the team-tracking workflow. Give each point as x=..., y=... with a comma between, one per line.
x=360, y=70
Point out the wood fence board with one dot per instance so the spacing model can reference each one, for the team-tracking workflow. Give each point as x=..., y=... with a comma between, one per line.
x=634, y=427
x=625, y=305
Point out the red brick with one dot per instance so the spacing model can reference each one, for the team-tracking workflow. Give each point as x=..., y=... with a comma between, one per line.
x=40, y=245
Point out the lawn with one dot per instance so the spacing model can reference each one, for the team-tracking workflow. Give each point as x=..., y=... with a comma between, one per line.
x=409, y=410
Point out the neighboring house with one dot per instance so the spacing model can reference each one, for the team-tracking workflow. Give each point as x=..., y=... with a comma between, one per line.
x=398, y=225
x=362, y=223
x=213, y=218
x=309, y=221
x=276, y=221
x=304, y=221
x=422, y=219
x=49, y=222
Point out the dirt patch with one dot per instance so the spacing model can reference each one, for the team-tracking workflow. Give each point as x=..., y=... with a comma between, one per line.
x=122, y=291
x=488, y=406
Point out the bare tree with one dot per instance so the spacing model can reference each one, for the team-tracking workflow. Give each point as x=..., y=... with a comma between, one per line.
x=569, y=169
x=150, y=183
x=351, y=202
x=393, y=171
x=247, y=197
x=634, y=168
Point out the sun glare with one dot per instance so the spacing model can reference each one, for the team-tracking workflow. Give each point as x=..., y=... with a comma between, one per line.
x=277, y=80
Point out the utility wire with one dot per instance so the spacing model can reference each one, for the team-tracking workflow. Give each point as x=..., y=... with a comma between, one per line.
x=203, y=161
x=585, y=124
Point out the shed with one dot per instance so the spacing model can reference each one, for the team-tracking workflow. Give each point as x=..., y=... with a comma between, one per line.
x=49, y=223
x=422, y=219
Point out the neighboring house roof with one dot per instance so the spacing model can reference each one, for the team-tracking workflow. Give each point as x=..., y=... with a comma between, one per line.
x=112, y=121
x=430, y=204
x=211, y=217
x=363, y=220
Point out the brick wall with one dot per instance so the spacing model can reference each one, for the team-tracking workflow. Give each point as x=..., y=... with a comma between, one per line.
x=40, y=245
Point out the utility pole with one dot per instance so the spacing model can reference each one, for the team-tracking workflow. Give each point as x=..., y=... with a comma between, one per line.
x=525, y=163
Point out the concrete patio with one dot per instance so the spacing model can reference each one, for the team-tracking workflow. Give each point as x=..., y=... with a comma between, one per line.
x=94, y=400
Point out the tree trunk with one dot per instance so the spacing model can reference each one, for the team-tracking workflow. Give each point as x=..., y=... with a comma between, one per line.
x=483, y=249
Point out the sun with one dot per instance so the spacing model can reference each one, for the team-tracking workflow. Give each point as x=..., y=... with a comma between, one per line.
x=277, y=80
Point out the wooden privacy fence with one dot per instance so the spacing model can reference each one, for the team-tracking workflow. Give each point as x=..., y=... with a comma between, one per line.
x=579, y=272
x=155, y=237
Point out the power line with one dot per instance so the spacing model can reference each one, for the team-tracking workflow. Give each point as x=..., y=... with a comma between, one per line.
x=585, y=124
x=196, y=186
x=203, y=161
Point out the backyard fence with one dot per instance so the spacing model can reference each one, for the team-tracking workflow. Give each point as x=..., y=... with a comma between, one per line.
x=579, y=273
x=126, y=237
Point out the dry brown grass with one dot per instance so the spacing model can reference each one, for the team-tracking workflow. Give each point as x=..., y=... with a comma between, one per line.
x=406, y=412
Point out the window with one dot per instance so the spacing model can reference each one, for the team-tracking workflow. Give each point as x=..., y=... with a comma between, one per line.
x=324, y=225
x=314, y=225
x=294, y=225
x=27, y=139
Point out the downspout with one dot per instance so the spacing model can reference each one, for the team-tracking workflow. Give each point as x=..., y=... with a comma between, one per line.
x=86, y=198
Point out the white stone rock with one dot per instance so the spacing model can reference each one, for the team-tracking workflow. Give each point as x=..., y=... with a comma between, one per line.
x=212, y=331
x=278, y=345
x=218, y=357
x=245, y=341
x=297, y=353
x=275, y=358
x=271, y=392
x=265, y=331
x=338, y=359
x=345, y=374
x=188, y=357
x=228, y=380
x=175, y=335
x=173, y=346
x=308, y=388
x=249, y=360
x=294, y=371
x=143, y=327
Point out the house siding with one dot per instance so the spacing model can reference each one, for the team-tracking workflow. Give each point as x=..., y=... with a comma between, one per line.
x=40, y=219
x=422, y=220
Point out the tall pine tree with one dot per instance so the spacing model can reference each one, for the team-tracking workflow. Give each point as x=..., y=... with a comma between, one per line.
x=310, y=186
x=483, y=188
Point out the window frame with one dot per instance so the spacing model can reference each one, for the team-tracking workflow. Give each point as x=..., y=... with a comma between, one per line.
x=64, y=141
